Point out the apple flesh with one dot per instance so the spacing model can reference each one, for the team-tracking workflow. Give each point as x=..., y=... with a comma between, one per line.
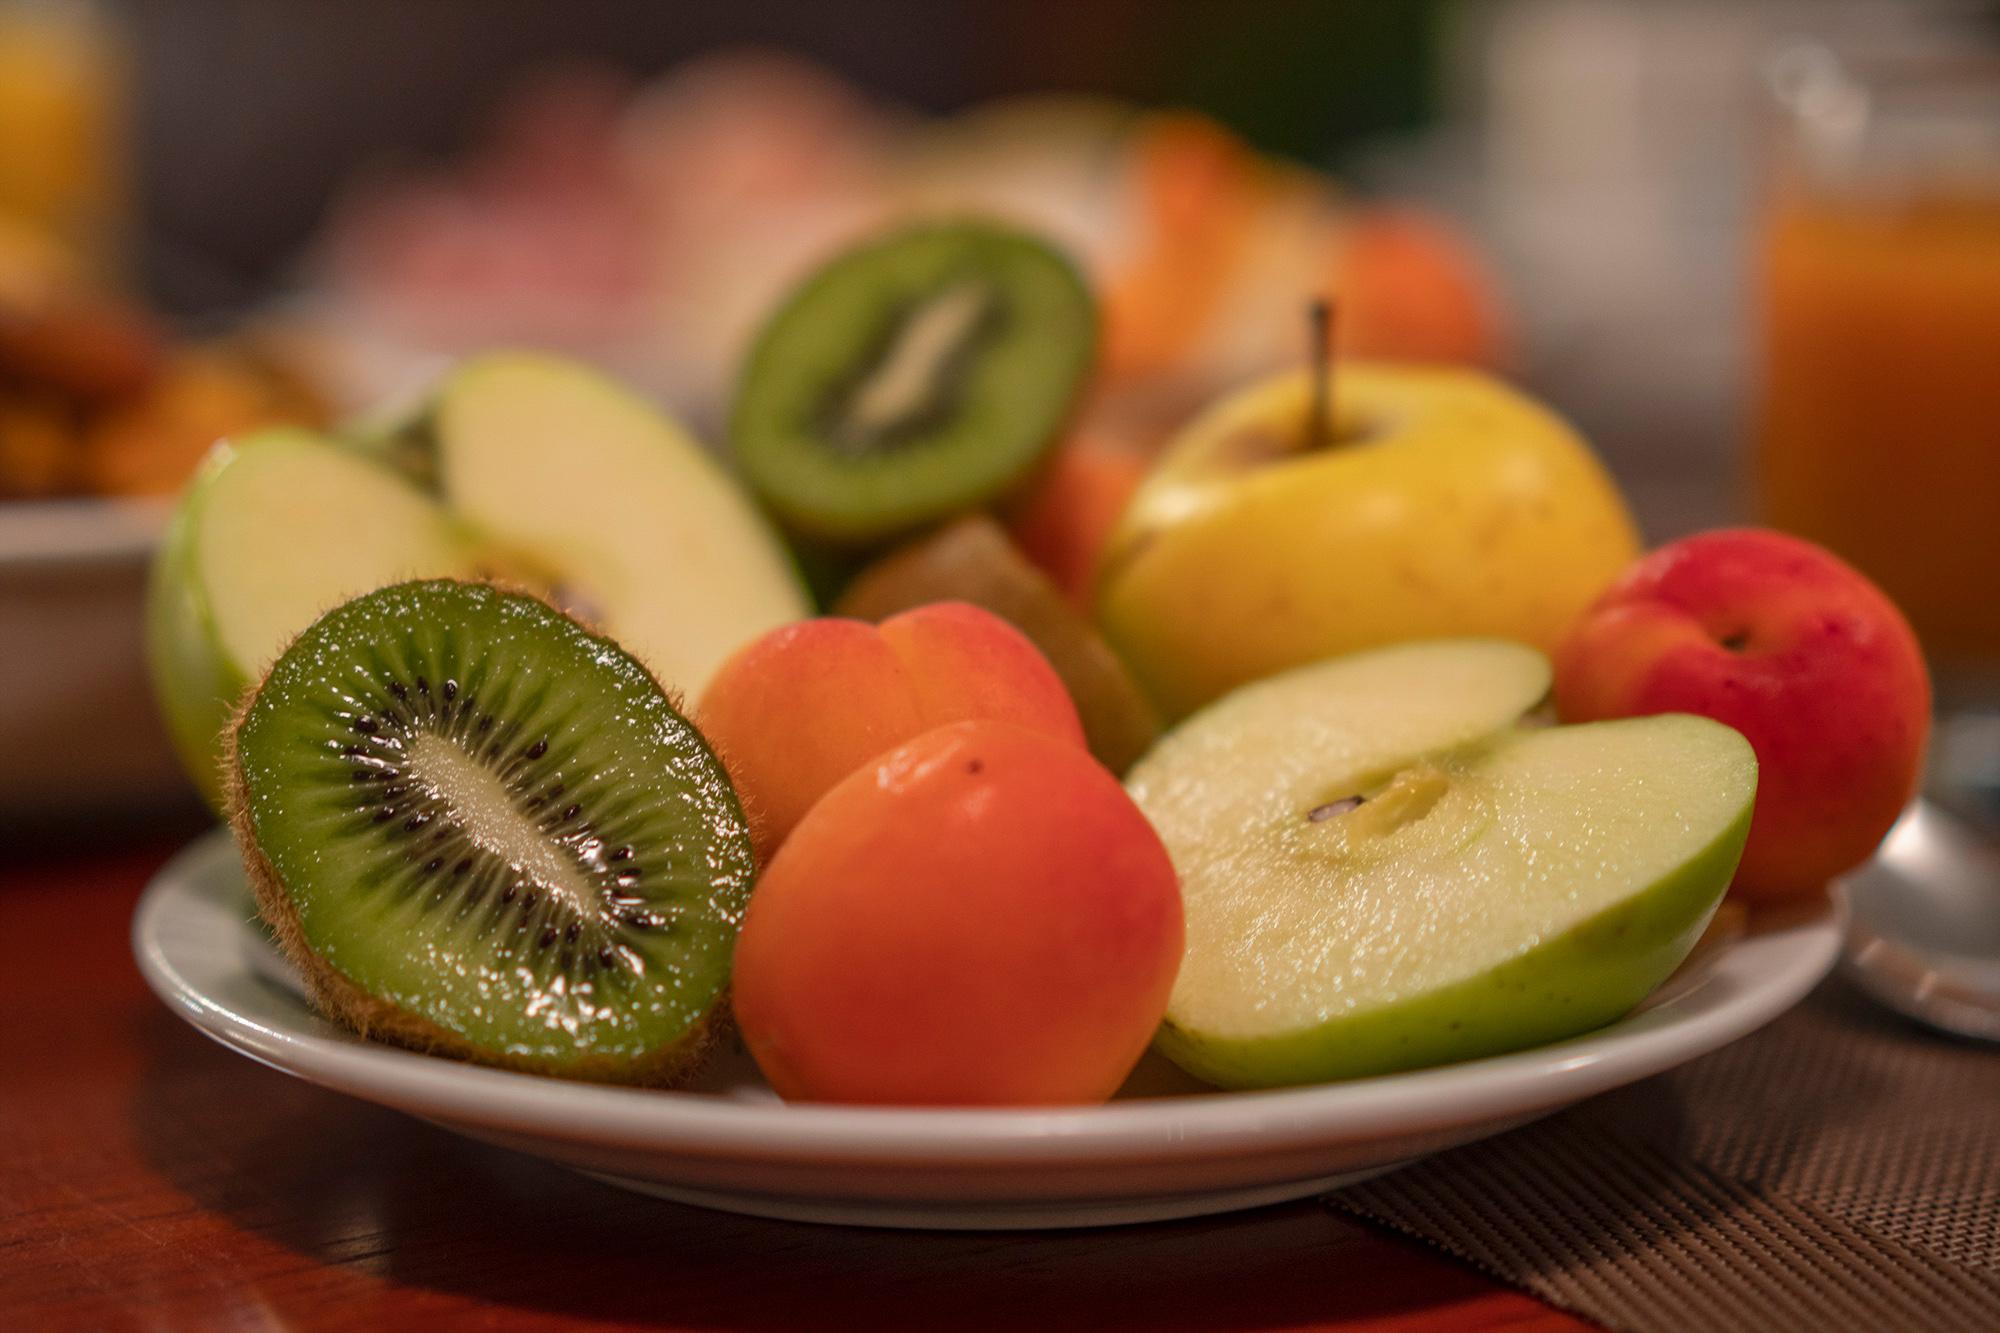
x=546, y=474
x=271, y=532
x=642, y=529
x=1447, y=504
x=1382, y=870
x=1795, y=649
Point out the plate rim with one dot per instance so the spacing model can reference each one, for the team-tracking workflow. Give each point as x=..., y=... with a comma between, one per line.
x=1173, y=1127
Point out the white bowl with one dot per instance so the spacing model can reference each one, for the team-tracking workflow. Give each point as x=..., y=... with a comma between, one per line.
x=1165, y=1149
x=78, y=730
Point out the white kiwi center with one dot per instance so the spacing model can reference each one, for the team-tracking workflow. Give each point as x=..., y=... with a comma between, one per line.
x=481, y=805
x=906, y=377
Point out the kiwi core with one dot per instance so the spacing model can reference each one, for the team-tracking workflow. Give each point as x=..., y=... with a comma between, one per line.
x=914, y=372
x=481, y=806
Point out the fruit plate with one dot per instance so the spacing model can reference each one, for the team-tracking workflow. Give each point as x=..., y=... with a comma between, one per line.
x=1164, y=1149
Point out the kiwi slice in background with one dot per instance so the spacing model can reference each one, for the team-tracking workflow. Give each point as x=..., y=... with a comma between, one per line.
x=480, y=830
x=915, y=376
x=972, y=560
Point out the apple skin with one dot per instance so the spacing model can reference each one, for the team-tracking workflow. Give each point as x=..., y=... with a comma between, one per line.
x=1794, y=648
x=1453, y=506
x=198, y=678
x=194, y=680
x=1592, y=974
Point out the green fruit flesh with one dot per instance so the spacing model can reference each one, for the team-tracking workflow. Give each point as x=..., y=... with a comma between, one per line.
x=1381, y=872
x=536, y=471
x=273, y=531
x=613, y=508
x=913, y=377
x=482, y=829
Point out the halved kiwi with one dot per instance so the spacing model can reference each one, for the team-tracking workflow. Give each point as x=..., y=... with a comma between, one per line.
x=481, y=830
x=917, y=375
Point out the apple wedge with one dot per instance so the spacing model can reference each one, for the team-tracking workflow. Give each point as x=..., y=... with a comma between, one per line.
x=270, y=533
x=545, y=473
x=1382, y=870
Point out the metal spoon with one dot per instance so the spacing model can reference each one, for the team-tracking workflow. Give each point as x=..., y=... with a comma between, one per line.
x=1924, y=935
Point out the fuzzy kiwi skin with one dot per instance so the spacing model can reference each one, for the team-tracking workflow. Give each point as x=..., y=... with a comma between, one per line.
x=367, y=1016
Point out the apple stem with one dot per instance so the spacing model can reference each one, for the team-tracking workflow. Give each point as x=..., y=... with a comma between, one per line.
x=1319, y=323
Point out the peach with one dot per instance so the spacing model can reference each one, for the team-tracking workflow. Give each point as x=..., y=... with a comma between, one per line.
x=1198, y=189
x=981, y=916
x=1411, y=289
x=1795, y=649
x=1064, y=519
x=798, y=709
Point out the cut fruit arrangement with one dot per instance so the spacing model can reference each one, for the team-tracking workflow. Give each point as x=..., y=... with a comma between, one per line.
x=538, y=758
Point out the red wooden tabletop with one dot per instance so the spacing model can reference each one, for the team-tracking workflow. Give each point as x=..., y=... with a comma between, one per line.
x=152, y=1179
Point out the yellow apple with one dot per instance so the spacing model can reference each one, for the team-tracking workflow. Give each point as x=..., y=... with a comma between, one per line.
x=1440, y=503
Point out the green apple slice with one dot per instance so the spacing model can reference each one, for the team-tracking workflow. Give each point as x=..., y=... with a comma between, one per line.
x=1382, y=871
x=638, y=529
x=272, y=531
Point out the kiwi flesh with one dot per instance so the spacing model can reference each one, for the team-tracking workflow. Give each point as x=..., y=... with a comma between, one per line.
x=915, y=376
x=972, y=559
x=480, y=830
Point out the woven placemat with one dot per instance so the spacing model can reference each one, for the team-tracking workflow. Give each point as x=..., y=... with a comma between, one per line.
x=1838, y=1170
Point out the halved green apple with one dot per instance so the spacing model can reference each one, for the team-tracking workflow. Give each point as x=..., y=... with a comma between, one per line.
x=546, y=474
x=272, y=531
x=1383, y=870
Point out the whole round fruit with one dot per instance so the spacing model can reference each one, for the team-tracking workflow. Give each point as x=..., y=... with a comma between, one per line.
x=796, y=710
x=979, y=917
x=1439, y=504
x=1795, y=649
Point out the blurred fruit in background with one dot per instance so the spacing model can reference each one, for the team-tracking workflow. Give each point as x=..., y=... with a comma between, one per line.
x=150, y=443
x=93, y=397
x=1066, y=516
x=575, y=225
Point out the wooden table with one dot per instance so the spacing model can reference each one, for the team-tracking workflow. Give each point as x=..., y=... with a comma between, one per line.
x=151, y=1179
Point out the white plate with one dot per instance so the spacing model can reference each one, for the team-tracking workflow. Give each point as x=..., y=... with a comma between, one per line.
x=1164, y=1150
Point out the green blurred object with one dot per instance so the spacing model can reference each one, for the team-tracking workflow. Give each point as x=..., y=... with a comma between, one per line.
x=1309, y=78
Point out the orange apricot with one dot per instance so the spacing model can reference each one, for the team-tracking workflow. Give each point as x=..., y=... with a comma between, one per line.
x=1063, y=521
x=981, y=916
x=796, y=710
x=1411, y=289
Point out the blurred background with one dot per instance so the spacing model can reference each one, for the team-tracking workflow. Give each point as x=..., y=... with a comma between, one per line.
x=1751, y=247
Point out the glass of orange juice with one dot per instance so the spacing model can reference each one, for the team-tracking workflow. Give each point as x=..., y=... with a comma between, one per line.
x=1878, y=408
x=1878, y=419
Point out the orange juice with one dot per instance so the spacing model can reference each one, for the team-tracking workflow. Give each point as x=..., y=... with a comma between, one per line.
x=62, y=84
x=1880, y=414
